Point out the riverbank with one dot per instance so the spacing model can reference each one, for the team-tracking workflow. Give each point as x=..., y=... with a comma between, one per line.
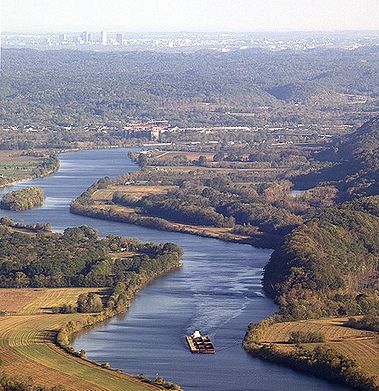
x=115, y=269
x=28, y=331
x=127, y=215
x=21, y=166
x=346, y=356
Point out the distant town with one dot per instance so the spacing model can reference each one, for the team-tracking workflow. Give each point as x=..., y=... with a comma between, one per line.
x=223, y=42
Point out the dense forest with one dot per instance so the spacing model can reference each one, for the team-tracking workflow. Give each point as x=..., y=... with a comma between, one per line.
x=73, y=89
x=78, y=257
x=354, y=168
x=18, y=200
x=329, y=266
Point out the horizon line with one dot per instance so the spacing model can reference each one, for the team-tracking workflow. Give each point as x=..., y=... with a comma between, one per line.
x=113, y=30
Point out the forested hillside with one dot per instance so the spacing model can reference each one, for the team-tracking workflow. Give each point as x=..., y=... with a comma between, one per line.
x=329, y=266
x=70, y=88
x=355, y=163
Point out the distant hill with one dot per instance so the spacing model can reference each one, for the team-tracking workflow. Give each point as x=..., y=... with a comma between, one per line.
x=355, y=168
x=305, y=92
x=73, y=88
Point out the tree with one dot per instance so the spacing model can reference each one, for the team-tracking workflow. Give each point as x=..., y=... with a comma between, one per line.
x=90, y=302
x=219, y=157
x=21, y=281
x=142, y=160
x=202, y=161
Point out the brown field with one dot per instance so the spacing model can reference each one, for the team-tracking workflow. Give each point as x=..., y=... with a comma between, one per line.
x=27, y=348
x=136, y=192
x=221, y=170
x=188, y=155
x=8, y=156
x=360, y=345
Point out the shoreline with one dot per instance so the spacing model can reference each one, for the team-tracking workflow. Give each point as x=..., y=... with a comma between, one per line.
x=168, y=226
x=326, y=363
x=93, y=320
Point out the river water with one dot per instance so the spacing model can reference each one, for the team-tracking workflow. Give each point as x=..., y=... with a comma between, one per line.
x=218, y=291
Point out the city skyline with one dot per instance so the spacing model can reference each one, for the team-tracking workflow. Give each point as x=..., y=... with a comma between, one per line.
x=184, y=15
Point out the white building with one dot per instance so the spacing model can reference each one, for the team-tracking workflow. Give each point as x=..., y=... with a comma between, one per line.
x=103, y=38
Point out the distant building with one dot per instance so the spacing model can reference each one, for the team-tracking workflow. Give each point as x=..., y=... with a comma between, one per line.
x=62, y=38
x=86, y=37
x=103, y=38
x=152, y=130
x=120, y=39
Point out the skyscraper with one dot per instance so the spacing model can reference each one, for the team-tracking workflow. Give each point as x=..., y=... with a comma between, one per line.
x=62, y=38
x=85, y=36
x=103, y=38
x=120, y=39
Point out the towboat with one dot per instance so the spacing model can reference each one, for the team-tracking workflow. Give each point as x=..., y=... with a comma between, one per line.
x=198, y=343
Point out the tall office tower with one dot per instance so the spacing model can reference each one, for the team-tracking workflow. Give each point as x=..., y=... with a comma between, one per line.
x=90, y=38
x=62, y=38
x=120, y=39
x=103, y=37
x=85, y=36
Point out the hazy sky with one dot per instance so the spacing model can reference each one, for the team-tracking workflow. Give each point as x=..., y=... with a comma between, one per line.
x=189, y=15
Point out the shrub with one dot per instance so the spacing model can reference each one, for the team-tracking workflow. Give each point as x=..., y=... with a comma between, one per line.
x=306, y=337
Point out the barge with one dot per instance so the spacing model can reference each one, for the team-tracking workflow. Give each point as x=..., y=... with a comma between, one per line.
x=198, y=343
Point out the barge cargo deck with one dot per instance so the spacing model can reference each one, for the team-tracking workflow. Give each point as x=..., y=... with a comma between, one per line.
x=198, y=343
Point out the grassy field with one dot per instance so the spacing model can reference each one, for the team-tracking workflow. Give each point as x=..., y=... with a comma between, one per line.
x=360, y=345
x=27, y=348
x=135, y=192
x=15, y=167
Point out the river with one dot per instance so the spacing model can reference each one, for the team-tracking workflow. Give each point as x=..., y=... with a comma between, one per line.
x=218, y=291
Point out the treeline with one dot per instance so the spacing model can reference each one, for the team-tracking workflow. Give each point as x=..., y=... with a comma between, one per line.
x=329, y=265
x=78, y=257
x=18, y=200
x=36, y=227
x=368, y=322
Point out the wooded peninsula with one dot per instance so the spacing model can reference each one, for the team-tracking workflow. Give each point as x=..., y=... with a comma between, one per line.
x=78, y=280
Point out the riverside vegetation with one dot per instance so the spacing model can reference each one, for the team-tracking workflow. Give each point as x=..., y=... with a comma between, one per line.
x=78, y=280
x=328, y=267
x=18, y=200
x=327, y=263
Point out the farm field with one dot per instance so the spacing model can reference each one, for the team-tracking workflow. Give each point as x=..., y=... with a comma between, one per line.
x=16, y=167
x=27, y=332
x=136, y=192
x=360, y=345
